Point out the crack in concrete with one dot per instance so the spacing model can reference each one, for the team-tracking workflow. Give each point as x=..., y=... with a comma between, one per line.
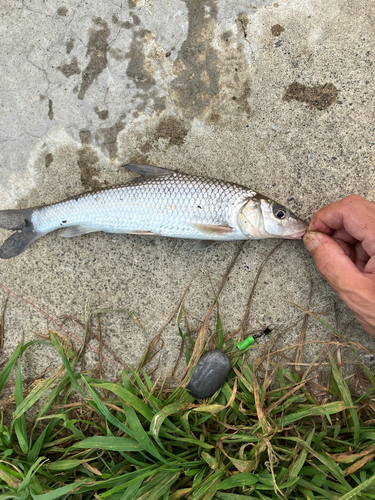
x=36, y=11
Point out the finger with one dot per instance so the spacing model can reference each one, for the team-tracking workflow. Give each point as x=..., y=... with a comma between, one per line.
x=369, y=267
x=343, y=235
x=349, y=250
x=353, y=214
x=332, y=262
x=361, y=256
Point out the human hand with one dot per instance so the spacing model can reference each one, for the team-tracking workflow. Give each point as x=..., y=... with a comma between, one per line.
x=341, y=240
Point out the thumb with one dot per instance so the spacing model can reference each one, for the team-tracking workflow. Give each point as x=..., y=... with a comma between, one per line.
x=331, y=262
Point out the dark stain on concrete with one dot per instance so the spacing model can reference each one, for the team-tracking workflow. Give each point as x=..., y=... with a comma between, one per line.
x=87, y=158
x=117, y=54
x=97, y=50
x=62, y=11
x=198, y=79
x=106, y=137
x=136, y=70
x=214, y=117
x=85, y=136
x=103, y=115
x=70, y=69
x=319, y=97
x=172, y=128
x=136, y=20
x=242, y=100
x=69, y=45
x=50, y=109
x=276, y=30
x=139, y=159
x=227, y=36
x=48, y=159
x=122, y=24
x=158, y=103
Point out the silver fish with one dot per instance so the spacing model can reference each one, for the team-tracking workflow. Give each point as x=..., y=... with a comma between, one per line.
x=158, y=202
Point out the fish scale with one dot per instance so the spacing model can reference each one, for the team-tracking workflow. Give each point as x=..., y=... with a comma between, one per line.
x=165, y=205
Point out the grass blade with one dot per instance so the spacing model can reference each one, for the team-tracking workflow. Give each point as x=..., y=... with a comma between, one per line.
x=20, y=423
x=140, y=434
x=108, y=443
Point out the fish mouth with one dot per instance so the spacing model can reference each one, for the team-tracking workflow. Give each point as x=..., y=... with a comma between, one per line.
x=296, y=236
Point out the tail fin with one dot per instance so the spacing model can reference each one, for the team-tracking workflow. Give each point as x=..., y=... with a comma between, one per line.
x=17, y=220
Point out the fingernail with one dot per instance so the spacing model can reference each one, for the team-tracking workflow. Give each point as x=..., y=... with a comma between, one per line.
x=311, y=241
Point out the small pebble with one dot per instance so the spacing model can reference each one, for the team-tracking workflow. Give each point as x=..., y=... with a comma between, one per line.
x=210, y=374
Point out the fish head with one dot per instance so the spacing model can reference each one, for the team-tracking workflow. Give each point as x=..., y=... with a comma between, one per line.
x=265, y=218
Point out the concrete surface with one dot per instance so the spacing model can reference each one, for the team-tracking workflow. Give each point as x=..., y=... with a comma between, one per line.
x=274, y=95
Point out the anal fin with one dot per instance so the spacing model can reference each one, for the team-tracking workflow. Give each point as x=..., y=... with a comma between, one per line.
x=203, y=245
x=72, y=231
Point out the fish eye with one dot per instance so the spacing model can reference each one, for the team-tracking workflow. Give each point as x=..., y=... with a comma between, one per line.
x=279, y=211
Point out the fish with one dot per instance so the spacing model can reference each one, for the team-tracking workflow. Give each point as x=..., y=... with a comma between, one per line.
x=162, y=202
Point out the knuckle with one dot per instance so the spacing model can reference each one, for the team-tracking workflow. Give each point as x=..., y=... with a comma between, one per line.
x=353, y=198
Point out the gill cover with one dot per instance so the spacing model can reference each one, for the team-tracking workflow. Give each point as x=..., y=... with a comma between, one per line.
x=251, y=219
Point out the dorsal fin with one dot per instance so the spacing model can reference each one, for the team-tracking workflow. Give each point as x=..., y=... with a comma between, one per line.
x=147, y=170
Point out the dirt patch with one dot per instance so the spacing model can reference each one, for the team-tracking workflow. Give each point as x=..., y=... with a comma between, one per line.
x=276, y=30
x=170, y=128
x=50, y=109
x=69, y=45
x=97, y=50
x=227, y=36
x=62, y=11
x=173, y=129
x=242, y=100
x=136, y=69
x=86, y=160
x=197, y=60
x=48, y=159
x=117, y=54
x=70, y=69
x=139, y=159
x=107, y=137
x=122, y=24
x=319, y=97
x=103, y=115
x=85, y=136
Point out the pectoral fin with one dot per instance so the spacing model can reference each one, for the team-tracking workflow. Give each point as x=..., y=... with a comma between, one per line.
x=147, y=170
x=211, y=229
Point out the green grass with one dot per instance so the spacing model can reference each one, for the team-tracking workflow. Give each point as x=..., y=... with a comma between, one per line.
x=269, y=433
